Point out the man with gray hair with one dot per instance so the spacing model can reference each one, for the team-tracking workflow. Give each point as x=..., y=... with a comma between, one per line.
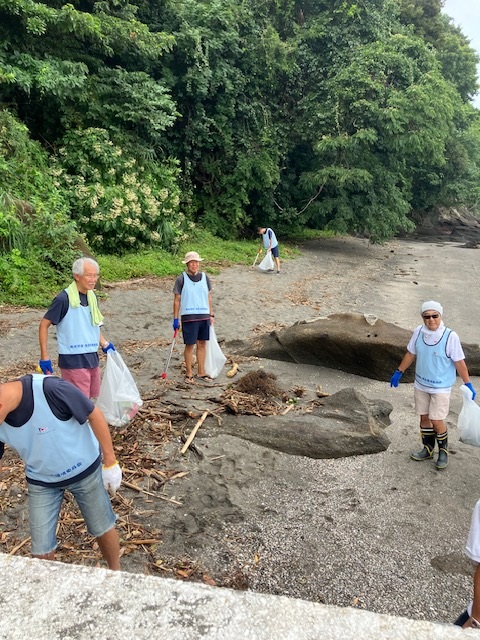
x=439, y=357
x=75, y=313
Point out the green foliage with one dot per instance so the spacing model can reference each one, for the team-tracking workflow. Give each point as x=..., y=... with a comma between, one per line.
x=153, y=117
x=137, y=108
x=36, y=235
x=48, y=76
x=27, y=279
x=13, y=234
x=460, y=181
x=374, y=130
x=55, y=59
x=33, y=211
x=458, y=60
x=216, y=252
x=117, y=202
x=226, y=69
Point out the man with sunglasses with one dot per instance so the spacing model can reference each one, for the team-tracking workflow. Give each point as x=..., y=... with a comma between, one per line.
x=439, y=357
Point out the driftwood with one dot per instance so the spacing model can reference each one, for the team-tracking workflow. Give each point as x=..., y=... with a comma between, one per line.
x=233, y=370
x=13, y=551
x=194, y=431
x=192, y=447
x=130, y=485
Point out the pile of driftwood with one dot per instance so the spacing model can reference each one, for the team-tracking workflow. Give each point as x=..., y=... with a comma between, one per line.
x=146, y=475
x=147, y=472
x=257, y=393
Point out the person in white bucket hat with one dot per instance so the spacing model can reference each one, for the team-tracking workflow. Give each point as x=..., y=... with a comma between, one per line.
x=192, y=308
x=439, y=357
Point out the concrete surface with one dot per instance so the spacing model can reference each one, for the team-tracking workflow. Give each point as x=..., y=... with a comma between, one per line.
x=53, y=601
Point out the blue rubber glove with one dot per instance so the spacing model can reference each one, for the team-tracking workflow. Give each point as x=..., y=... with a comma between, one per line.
x=395, y=379
x=46, y=366
x=176, y=324
x=109, y=347
x=470, y=386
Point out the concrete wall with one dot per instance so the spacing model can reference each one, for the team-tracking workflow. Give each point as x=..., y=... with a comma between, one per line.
x=42, y=600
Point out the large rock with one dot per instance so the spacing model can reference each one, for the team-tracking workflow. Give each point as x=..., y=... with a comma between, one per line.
x=346, y=424
x=441, y=223
x=352, y=342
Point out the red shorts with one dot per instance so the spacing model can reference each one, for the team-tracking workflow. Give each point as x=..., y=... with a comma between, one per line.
x=87, y=380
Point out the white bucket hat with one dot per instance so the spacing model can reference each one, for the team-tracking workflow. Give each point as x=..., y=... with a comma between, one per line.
x=191, y=255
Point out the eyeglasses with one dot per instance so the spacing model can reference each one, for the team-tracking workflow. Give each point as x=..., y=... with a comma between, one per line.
x=434, y=316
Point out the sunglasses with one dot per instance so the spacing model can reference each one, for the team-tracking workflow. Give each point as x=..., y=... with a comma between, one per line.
x=434, y=316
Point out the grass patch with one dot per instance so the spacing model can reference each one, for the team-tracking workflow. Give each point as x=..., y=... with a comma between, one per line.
x=217, y=253
x=29, y=279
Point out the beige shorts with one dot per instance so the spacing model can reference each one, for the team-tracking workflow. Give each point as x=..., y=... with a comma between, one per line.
x=433, y=405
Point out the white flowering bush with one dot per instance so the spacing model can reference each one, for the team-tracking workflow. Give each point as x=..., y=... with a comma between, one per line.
x=117, y=202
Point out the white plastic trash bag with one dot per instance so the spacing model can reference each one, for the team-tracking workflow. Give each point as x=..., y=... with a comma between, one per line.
x=214, y=359
x=267, y=263
x=119, y=399
x=469, y=419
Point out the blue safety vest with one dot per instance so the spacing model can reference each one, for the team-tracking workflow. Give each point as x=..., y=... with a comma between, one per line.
x=54, y=451
x=433, y=367
x=194, y=300
x=76, y=334
x=266, y=239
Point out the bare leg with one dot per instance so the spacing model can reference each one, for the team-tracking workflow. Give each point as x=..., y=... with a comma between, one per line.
x=277, y=261
x=439, y=426
x=201, y=355
x=425, y=422
x=188, y=355
x=110, y=547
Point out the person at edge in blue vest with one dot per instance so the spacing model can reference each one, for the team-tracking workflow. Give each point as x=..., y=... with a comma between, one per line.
x=270, y=243
x=75, y=313
x=192, y=305
x=63, y=439
x=439, y=357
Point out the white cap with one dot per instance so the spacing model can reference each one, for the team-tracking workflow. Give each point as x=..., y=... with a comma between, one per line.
x=431, y=305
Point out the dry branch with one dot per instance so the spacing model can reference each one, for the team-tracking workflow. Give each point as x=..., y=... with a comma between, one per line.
x=194, y=431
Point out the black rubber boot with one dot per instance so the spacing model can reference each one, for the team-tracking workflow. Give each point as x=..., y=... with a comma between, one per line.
x=442, y=459
x=428, y=440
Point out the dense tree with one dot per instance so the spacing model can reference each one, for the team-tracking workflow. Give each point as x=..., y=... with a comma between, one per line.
x=231, y=113
x=68, y=72
x=457, y=58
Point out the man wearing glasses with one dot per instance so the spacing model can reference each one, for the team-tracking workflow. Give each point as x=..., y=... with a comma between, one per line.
x=439, y=357
x=76, y=315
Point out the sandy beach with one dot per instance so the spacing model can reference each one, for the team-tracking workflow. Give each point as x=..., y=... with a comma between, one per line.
x=379, y=532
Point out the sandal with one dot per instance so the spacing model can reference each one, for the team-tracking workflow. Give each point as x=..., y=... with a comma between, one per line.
x=205, y=378
x=189, y=380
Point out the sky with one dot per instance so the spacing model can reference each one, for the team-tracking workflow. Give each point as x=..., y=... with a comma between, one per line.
x=466, y=15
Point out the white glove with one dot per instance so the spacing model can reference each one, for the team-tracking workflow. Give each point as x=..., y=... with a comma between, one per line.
x=112, y=478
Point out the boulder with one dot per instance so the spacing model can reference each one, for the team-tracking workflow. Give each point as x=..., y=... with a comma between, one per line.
x=451, y=224
x=360, y=344
x=345, y=424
